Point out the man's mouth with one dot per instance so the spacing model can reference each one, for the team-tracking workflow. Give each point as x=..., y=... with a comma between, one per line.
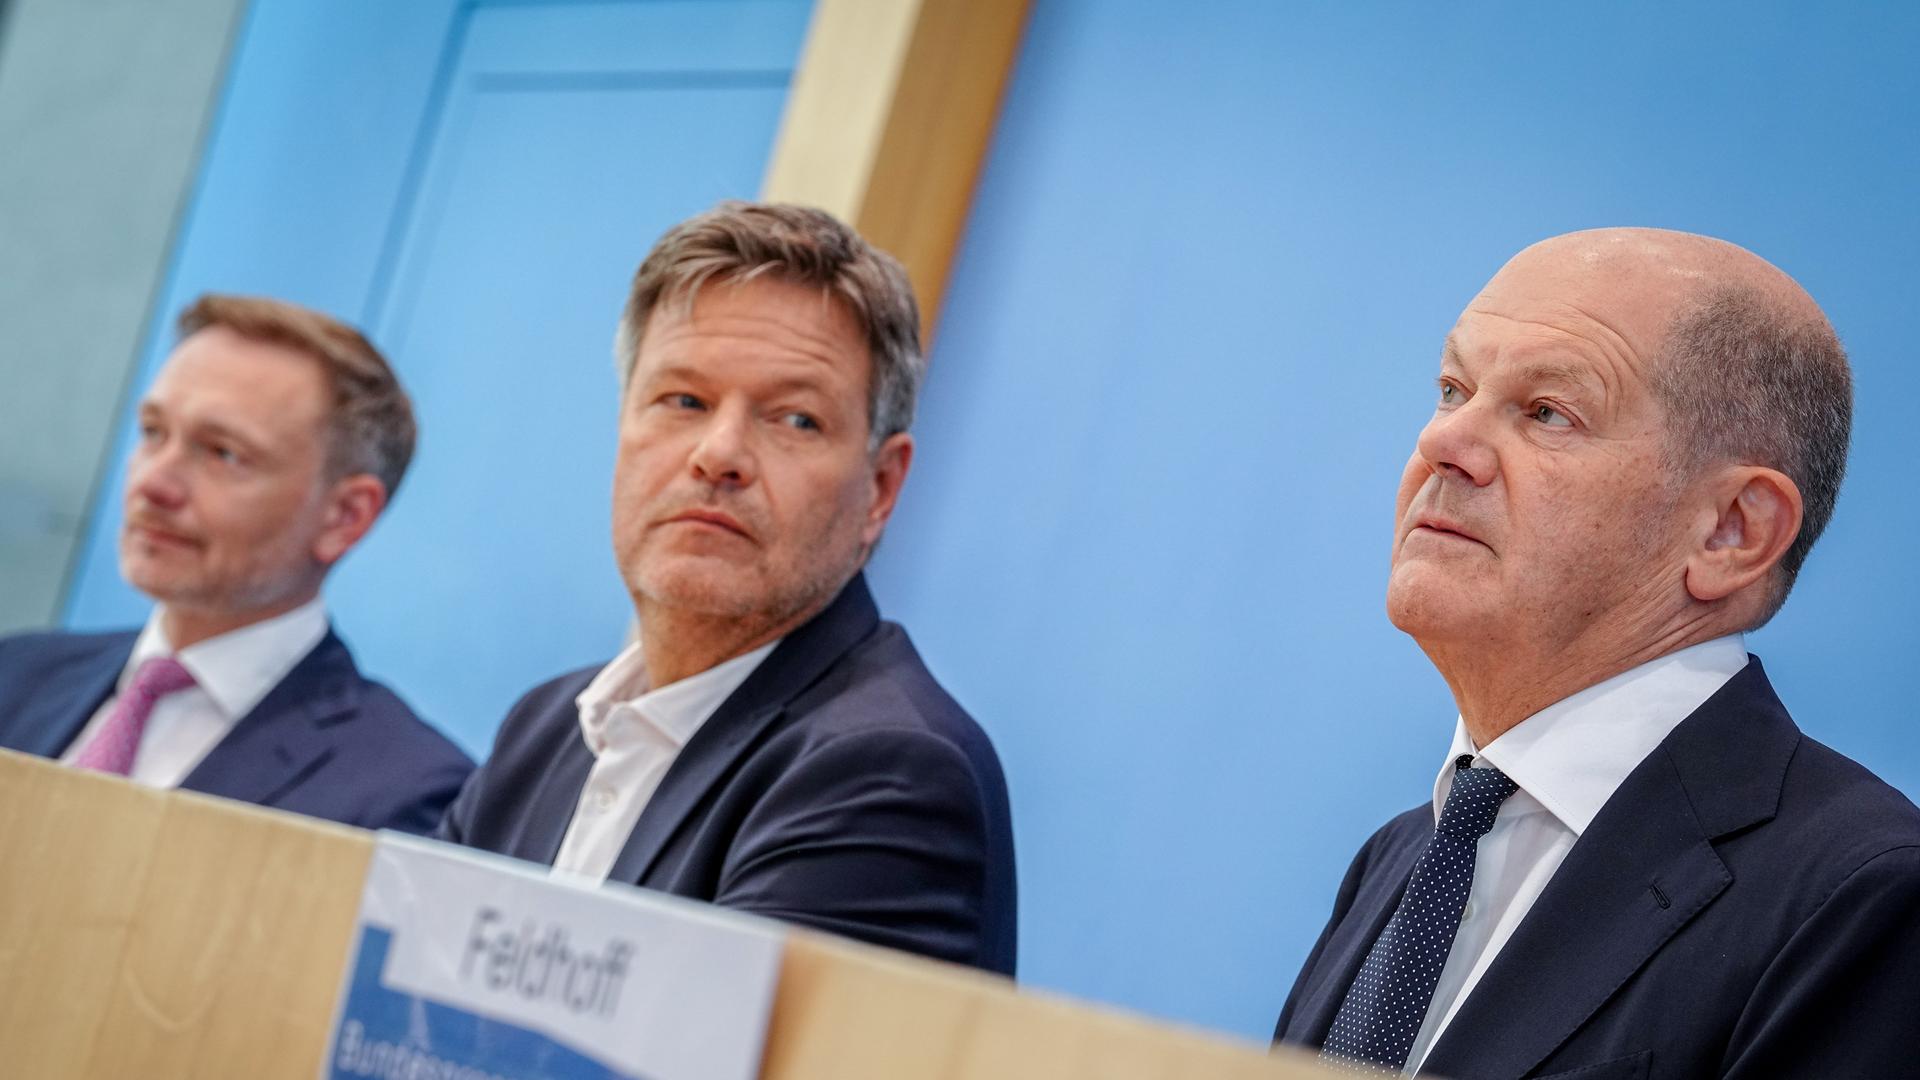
x=159, y=536
x=1439, y=526
x=713, y=519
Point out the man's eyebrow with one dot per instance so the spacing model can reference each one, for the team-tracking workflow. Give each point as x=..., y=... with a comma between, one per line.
x=1546, y=371
x=688, y=372
x=676, y=369
x=229, y=433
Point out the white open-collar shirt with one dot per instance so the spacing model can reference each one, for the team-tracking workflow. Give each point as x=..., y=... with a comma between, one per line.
x=232, y=673
x=634, y=734
x=1568, y=759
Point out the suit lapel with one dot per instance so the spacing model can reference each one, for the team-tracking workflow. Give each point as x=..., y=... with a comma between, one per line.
x=1595, y=924
x=1643, y=870
x=48, y=730
x=1351, y=942
x=737, y=724
x=287, y=734
x=550, y=811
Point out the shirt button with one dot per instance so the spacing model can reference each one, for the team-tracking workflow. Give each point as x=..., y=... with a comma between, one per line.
x=603, y=800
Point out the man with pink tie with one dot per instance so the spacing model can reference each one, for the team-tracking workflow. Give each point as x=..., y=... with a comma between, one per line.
x=269, y=444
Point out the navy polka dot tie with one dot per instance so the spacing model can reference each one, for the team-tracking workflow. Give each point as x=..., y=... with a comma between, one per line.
x=1387, y=1003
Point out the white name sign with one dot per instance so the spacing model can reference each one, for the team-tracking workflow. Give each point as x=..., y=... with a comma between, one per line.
x=473, y=966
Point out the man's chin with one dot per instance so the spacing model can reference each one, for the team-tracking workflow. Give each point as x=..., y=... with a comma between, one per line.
x=1429, y=610
x=154, y=581
x=699, y=587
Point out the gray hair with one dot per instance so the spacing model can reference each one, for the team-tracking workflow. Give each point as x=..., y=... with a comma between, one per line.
x=370, y=426
x=737, y=241
x=1745, y=378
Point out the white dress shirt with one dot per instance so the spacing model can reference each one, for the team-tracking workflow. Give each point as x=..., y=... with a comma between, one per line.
x=635, y=734
x=231, y=674
x=1568, y=759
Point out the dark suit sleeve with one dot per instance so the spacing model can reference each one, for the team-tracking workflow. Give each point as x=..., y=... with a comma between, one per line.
x=421, y=806
x=1841, y=998
x=877, y=835
x=456, y=824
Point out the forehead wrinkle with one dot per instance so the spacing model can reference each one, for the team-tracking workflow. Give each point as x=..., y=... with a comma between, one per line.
x=760, y=333
x=1547, y=371
x=804, y=383
x=1531, y=370
x=777, y=367
x=819, y=364
x=1610, y=351
x=1615, y=338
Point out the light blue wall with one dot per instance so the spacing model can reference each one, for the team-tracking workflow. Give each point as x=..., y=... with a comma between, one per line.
x=275, y=212
x=1190, y=338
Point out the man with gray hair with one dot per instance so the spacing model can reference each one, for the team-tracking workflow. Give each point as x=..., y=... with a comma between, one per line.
x=768, y=743
x=1633, y=863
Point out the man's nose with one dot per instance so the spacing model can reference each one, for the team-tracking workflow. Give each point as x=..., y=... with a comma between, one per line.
x=724, y=453
x=156, y=474
x=1457, y=443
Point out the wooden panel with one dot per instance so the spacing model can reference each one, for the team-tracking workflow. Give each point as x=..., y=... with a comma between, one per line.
x=889, y=119
x=169, y=936
x=851, y=1012
x=233, y=961
x=166, y=935
x=73, y=857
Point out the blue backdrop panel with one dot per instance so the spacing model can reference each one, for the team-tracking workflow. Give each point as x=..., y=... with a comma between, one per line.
x=532, y=170
x=307, y=157
x=1191, y=336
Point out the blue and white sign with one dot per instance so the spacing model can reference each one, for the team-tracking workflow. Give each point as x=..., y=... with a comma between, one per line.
x=472, y=967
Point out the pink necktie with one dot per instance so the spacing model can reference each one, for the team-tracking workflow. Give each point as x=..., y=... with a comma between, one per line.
x=115, y=745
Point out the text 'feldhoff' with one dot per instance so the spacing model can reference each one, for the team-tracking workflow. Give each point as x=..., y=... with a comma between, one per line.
x=542, y=964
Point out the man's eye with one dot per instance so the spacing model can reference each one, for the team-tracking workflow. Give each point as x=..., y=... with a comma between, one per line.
x=681, y=401
x=1449, y=393
x=225, y=455
x=1550, y=416
x=801, y=421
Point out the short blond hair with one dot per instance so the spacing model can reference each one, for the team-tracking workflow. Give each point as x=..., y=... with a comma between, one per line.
x=370, y=422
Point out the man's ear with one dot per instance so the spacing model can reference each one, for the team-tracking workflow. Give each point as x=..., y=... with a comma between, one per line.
x=353, y=502
x=889, y=469
x=1751, y=519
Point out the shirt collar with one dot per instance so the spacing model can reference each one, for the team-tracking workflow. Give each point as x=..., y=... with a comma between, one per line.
x=239, y=668
x=1574, y=754
x=676, y=710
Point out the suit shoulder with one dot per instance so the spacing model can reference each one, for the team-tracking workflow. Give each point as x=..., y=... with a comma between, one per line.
x=56, y=646
x=1833, y=805
x=882, y=685
x=561, y=689
x=49, y=661
x=400, y=730
x=543, y=712
x=1407, y=828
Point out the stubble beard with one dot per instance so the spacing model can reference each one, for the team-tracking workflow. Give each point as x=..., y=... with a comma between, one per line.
x=259, y=592
x=779, y=598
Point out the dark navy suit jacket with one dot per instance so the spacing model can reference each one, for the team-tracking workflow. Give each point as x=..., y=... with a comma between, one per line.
x=839, y=787
x=1746, y=905
x=324, y=742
